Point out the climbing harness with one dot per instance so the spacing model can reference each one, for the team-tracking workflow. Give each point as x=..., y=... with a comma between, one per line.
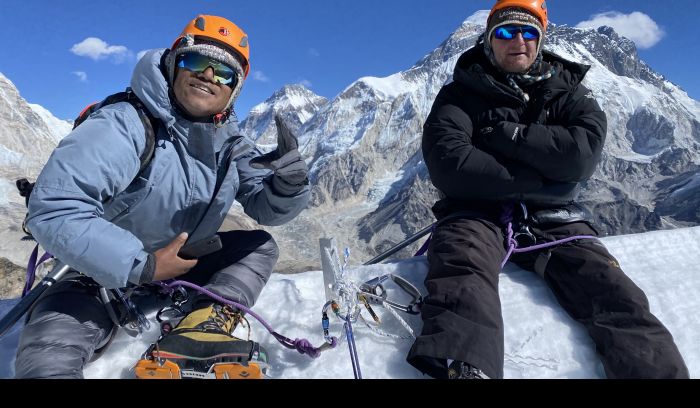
x=125, y=313
x=524, y=240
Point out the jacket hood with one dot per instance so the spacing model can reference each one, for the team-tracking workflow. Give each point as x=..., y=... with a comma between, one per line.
x=149, y=84
x=151, y=87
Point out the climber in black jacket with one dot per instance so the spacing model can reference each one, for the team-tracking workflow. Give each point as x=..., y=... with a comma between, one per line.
x=507, y=143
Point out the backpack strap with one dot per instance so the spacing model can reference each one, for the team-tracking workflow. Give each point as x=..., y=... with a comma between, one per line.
x=150, y=124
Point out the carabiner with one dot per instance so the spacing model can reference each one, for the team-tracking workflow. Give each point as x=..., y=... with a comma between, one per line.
x=374, y=285
x=169, y=309
x=134, y=318
x=375, y=293
x=524, y=237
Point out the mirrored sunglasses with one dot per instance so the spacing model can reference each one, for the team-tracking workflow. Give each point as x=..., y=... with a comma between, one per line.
x=195, y=62
x=510, y=31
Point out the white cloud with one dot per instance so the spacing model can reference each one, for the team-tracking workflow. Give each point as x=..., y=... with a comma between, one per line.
x=97, y=49
x=313, y=52
x=82, y=75
x=306, y=83
x=636, y=26
x=260, y=76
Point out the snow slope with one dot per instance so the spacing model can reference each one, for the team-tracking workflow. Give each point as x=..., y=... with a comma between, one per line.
x=541, y=340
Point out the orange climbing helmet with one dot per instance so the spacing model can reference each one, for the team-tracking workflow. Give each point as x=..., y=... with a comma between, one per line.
x=221, y=40
x=538, y=8
x=222, y=31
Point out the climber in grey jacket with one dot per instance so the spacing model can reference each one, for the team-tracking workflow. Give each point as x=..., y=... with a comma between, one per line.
x=96, y=211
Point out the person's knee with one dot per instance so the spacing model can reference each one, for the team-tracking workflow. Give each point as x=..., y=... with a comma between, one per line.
x=54, y=345
x=63, y=330
x=269, y=246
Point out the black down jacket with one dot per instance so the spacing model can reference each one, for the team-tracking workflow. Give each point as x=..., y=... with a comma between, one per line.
x=483, y=144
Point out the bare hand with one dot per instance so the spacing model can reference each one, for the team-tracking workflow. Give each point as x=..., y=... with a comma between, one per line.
x=168, y=264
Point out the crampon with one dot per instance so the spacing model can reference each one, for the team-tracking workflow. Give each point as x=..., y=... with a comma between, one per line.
x=163, y=365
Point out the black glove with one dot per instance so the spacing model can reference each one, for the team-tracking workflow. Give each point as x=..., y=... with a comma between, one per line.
x=503, y=137
x=290, y=170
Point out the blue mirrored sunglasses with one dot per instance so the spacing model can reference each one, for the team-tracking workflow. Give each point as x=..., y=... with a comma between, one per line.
x=509, y=32
x=196, y=62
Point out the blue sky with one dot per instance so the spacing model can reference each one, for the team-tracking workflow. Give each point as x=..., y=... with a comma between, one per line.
x=325, y=44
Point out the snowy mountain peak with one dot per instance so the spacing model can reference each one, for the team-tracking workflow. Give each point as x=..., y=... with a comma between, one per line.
x=59, y=128
x=28, y=133
x=289, y=96
x=364, y=145
x=478, y=18
x=295, y=89
x=618, y=54
x=391, y=87
x=387, y=88
x=294, y=102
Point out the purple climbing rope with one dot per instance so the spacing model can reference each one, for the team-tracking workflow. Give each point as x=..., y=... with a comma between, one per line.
x=424, y=248
x=32, y=265
x=507, y=220
x=303, y=346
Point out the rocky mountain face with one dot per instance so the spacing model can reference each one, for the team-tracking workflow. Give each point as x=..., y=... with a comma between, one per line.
x=371, y=188
x=653, y=145
x=294, y=103
x=28, y=135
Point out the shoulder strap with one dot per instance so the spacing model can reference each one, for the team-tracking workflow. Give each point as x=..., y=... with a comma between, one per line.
x=150, y=123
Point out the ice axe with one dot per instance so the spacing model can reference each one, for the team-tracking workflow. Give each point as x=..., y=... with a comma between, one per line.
x=21, y=308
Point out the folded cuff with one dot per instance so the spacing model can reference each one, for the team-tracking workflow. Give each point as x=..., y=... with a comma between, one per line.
x=149, y=270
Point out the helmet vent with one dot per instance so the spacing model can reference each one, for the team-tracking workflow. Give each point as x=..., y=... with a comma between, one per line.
x=200, y=23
